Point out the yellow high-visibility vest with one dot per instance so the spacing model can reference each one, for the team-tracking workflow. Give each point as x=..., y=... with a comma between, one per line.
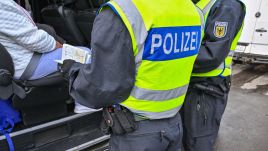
x=166, y=36
x=225, y=69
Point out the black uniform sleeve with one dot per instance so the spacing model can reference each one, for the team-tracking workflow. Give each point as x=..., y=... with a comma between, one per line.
x=110, y=77
x=214, y=48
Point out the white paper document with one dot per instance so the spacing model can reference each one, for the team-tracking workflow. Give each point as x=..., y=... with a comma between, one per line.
x=74, y=53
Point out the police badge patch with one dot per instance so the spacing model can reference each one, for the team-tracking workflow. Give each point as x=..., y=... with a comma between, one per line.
x=220, y=29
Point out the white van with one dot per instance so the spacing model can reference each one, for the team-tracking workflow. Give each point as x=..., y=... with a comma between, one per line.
x=253, y=44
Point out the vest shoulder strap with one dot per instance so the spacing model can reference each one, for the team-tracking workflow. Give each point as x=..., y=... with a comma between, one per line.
x=202, y=18
x=208, y=6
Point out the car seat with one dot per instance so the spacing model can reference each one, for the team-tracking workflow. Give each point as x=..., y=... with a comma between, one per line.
x=73, y=19
x=62, y=18
x=85, y=13
x=38, y=100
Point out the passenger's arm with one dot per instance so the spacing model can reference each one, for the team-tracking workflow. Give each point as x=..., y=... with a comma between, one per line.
x=214, y=50
x=110, y=77
x=18, y=26
x=58, y=45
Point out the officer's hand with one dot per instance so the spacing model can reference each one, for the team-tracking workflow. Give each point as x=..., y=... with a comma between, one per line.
x=66, y=66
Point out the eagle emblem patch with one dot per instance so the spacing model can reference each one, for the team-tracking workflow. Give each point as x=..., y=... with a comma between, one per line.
x=220, y=29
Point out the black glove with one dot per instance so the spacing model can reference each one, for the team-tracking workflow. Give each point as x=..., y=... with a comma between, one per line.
x=66, y=66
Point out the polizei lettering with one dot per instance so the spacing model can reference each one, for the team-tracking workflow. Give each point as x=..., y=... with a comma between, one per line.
x=172, y=43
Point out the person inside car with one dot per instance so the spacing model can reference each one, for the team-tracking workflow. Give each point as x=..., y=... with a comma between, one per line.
x=22, y=38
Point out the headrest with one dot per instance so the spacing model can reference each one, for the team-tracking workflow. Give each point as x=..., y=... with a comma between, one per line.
x=6, y=73
x=6, y=62
x=6, y=89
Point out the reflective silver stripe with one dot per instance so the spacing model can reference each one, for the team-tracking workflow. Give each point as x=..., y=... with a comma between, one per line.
x=228, y=66
x=157, y=115
x=207, y=8
x=222, y=66
x=202, y=18
x=158, y=95
x=231, y=53
x=137, y=24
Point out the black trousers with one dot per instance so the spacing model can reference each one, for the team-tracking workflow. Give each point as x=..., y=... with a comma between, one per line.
x=151, y=135
x=202, y=111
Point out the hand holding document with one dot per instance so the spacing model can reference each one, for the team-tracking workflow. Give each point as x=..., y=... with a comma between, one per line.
x=79, y=55
x=74, y=53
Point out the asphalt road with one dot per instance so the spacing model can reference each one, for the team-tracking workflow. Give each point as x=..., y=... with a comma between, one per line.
x=244, y=125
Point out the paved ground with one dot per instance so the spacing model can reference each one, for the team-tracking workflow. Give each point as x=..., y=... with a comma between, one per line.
x=245, y=122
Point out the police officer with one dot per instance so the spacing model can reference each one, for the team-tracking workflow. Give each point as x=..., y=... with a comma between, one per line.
x=210, y=84
x=143, y=55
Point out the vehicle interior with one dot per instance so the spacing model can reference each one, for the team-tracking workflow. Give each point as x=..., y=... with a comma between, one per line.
x=48, y=120
x=71, y=19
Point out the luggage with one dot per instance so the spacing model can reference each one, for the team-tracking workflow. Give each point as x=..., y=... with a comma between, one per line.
x=8, y=118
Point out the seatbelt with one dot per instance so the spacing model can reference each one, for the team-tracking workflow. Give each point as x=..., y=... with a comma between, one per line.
x=27, y=74
x=18, y=90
